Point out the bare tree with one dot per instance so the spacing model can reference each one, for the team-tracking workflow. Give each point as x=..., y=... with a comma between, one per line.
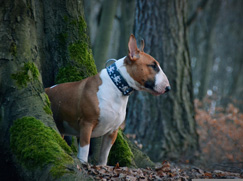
x=165, y=125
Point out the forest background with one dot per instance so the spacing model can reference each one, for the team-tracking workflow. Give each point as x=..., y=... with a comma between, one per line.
x=198, y=44
x=215, y=43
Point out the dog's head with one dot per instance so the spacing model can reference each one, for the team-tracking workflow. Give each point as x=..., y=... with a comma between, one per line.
x=145, y=70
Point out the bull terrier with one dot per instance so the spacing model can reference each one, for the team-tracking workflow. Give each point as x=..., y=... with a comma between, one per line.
x=96, y=106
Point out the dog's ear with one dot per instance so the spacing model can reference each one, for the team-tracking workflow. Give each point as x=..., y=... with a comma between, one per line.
x=133, y=49
x=142, y=45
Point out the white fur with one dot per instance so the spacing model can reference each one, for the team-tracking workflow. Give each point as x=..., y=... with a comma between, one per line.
x=160, y=81
x=112, y=104
x=123, y=71
x=53, y=86
x=83, y=153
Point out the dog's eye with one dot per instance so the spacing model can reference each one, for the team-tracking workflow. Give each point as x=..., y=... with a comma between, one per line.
x=154, y=66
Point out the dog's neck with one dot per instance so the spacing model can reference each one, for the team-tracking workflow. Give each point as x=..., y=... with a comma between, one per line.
x=121, y=67
x=109, y=88
x=119, y=80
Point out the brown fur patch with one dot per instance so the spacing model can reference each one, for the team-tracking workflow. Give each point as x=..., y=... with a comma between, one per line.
x=113, y=136
x=76, y=103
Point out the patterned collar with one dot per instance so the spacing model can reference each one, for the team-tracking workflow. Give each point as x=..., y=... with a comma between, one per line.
x=118, y=80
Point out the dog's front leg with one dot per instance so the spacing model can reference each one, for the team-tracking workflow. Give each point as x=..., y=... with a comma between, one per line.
x=84, y=142
x=107, y=142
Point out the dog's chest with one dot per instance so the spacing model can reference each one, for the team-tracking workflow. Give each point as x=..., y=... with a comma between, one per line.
x=112, y=107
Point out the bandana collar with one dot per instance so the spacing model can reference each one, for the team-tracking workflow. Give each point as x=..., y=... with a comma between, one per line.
x=118, y=80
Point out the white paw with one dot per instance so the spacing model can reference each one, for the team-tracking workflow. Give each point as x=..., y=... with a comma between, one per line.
x=83, y=161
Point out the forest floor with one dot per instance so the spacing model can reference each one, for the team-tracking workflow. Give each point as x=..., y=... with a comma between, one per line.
x=220, y=138
x=163, y=171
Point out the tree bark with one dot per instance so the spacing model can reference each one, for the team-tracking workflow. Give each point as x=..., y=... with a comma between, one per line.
x=28, y=52
x=126, y=25
x=104, y=33
x=165, y=125
x=122, y=27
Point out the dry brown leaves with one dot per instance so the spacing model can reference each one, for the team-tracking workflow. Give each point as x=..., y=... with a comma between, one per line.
x=164, y=171
x=220, y=132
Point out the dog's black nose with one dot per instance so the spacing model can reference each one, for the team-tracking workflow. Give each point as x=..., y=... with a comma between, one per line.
x=167, y=89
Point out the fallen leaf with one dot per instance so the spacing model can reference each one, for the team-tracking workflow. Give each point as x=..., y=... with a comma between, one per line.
x=161, y=173
x=199, y=170
x=78, y=167
x=122, y=175
x=131, y=178
x=117, y=165
x=209, y=175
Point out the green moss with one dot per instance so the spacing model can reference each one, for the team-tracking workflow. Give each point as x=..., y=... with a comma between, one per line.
x=47, y=106
x=27, y=73
x=68, y=74
x=47, y=110
x=36, y=145
x=121, y=152
x=74, y=145
x=141, y=159
x=13, y=49
x=80, y=62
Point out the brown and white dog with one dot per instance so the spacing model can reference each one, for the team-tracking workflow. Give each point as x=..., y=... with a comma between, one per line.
x=96, y=106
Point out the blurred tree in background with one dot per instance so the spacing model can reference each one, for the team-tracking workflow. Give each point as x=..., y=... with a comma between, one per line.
x=216, y=43
x=111, y=34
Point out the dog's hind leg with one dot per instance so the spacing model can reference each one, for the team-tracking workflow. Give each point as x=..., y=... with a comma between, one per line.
x=107, y=142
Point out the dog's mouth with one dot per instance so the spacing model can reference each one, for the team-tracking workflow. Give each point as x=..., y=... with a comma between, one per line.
x=153, y=92
x=157, y=93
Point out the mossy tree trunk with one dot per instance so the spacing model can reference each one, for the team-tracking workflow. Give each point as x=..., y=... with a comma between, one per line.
x=32, y=34
x=42, y=43
x=165, y=124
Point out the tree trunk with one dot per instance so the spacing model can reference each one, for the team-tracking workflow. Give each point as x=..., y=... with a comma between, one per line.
x=165, y=125
x=126, y=25
x=29, y=45
x=104, y=33
x=112, y=32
